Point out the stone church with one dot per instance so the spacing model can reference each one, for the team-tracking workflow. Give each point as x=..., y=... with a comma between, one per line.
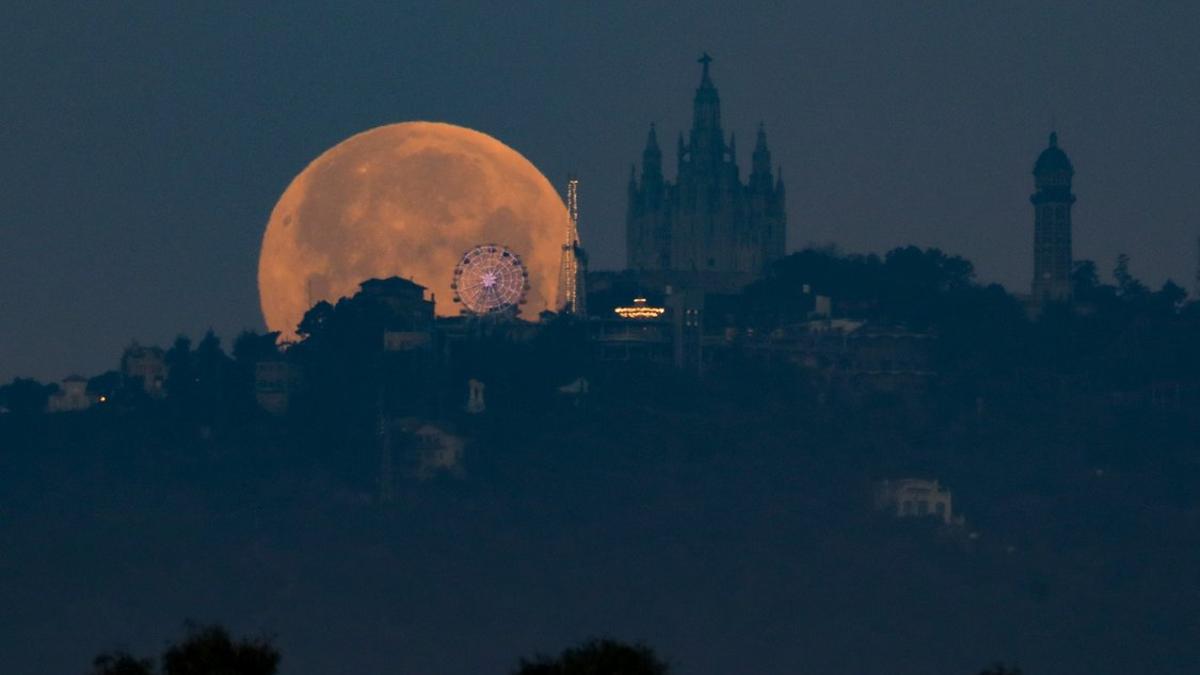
x=706, y=230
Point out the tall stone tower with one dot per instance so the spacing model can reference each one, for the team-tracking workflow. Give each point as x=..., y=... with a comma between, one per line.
x=1052, y=200
x=707, y=229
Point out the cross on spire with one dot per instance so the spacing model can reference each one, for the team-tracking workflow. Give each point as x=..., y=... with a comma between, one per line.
x=704, y=60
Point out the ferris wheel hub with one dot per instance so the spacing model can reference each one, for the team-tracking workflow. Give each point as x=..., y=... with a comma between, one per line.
x=490, y=279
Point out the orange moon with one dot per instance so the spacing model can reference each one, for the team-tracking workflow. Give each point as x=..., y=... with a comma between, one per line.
x=406, y=200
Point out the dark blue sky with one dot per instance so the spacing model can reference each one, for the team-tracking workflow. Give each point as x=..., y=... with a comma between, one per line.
x=145, y=145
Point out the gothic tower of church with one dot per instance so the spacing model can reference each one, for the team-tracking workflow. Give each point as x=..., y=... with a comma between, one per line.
x=1052, y=200
x=708, y=229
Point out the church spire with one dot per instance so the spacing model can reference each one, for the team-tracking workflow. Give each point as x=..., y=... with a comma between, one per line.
x=707, y=105
x=652, y=155
x=652, y=175
x=760, y=170
x=707, y=140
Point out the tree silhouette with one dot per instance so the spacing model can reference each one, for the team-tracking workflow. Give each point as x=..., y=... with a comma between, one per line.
x=181, y=378
x=207, y=650
x=1128, y=285
x=597, y=657
x=1000, y=669
x=210, y=651
x=121, y=663
x=25, y=396
x=250, y=348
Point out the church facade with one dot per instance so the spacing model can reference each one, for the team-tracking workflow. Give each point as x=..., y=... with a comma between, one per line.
x=707, y=229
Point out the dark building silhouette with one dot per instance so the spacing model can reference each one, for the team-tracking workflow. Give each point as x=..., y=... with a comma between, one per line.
x=405, y=301
x=707, y=229
x=1052, y=200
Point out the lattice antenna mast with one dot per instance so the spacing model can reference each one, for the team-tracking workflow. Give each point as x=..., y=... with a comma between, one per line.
x=570, y=278
x=1197, y=289
x=573, y=211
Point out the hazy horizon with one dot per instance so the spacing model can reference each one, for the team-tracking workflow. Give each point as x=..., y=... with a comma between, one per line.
x=149, y=145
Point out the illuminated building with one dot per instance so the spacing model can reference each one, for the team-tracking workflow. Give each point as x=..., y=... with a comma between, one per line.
x=1052, y=202
x=638, y=334
x=689, y=348
x=707, y=229
x=72, y=396
x=147, y=366
x=639, y=310
x=647, y=333
x=914, y=498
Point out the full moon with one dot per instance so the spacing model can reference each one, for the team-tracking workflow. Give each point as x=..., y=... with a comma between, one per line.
x=406, y=200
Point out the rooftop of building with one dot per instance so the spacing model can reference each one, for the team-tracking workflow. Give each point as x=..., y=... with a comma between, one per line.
x=392, y=286
x=1053, y=158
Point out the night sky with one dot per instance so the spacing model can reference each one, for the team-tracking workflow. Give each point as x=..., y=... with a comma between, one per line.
x=144, y=145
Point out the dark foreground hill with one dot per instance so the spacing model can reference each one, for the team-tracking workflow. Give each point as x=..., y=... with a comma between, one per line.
x=732, y=529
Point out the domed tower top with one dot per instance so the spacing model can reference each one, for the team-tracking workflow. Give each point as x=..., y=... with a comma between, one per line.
x=1052, y=173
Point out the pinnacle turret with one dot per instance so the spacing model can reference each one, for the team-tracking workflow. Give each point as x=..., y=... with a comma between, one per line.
x=652, y=155
x=760, y=169
x=652, y=140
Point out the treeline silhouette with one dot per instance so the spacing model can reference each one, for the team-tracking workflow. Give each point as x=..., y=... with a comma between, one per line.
x=1118, y=339
x=209, y=650
x=204, y=650
x=1118, y=352
x=1120, y=335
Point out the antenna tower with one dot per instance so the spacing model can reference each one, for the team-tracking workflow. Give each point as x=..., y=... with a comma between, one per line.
x=1197, y=289
x=572, y=269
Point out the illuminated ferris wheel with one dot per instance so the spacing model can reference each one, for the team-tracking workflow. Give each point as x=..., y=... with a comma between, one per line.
x=490, y=279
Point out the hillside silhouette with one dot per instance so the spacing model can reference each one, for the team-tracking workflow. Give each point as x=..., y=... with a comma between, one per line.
x=726, y=519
